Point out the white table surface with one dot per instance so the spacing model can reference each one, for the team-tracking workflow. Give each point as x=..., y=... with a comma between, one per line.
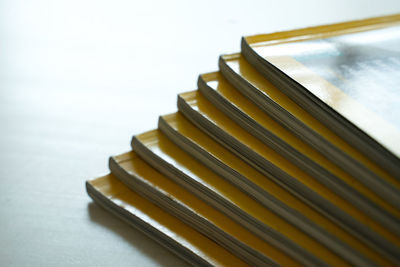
x=79, y=78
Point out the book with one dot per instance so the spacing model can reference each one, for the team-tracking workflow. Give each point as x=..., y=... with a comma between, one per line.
x=277, y=158
x=344, y=74
x=181, y=239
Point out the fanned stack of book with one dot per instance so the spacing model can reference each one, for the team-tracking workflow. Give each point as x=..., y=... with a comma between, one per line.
x=288, y=155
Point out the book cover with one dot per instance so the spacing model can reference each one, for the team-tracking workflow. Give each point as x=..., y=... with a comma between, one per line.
x=345, y=74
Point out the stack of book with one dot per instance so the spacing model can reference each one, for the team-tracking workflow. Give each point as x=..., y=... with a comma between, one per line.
x=288, y=155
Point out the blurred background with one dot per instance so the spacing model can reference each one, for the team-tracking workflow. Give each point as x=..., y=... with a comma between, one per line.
x=79, y=78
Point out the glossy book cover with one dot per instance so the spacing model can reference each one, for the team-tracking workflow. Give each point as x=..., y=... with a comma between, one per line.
x=164, y=228
x=357, y=75
x=348, y=71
